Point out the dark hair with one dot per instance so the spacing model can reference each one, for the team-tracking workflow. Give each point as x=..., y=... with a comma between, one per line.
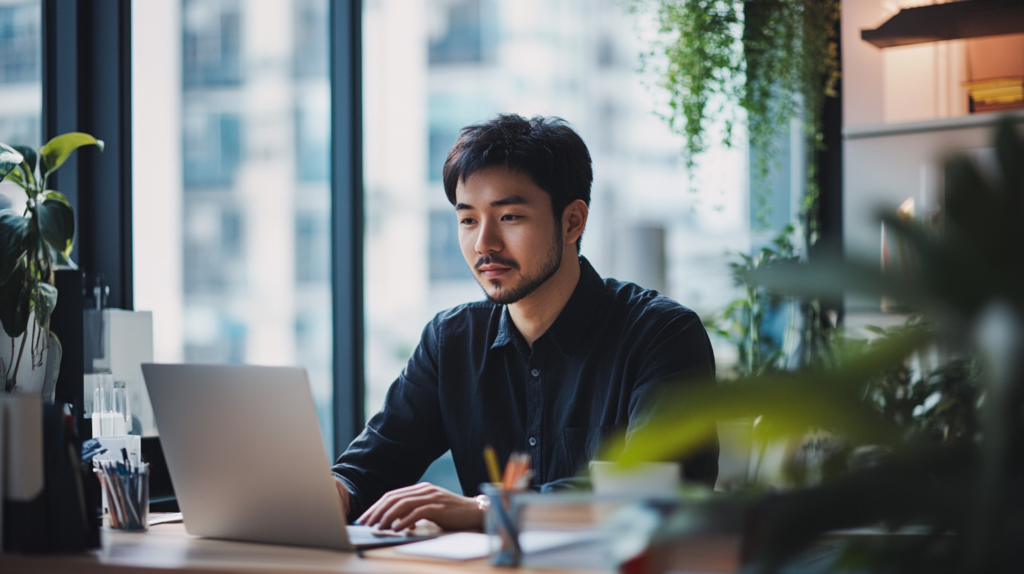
x=545, y=149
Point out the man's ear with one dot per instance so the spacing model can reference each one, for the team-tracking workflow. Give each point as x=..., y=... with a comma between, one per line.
x=574, y=221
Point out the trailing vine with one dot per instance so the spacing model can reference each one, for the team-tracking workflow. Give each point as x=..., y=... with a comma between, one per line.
x=775, y=59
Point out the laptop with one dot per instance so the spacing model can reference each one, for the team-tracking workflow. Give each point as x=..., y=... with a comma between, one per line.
x=246, y=458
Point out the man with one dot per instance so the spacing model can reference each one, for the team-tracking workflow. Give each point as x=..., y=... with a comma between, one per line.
x=556, y=359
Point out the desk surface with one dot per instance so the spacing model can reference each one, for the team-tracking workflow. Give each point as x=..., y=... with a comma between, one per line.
x=169, y=546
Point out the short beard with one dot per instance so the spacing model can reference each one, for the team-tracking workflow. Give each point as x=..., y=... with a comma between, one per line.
x=529, y=284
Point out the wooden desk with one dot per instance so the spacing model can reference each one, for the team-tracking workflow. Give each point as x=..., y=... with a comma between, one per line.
x=168, y=546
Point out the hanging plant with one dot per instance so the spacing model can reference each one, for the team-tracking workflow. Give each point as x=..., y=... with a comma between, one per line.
x=774, y=59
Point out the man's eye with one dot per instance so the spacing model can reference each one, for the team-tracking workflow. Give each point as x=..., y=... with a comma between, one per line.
x=467, y=221
x=509, y=217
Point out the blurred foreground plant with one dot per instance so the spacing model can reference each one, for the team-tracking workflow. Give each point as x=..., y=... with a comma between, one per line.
x=968, y=285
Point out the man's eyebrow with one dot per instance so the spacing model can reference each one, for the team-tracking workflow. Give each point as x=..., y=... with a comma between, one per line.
x=510, y=200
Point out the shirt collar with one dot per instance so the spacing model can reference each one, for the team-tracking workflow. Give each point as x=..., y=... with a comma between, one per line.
x=572, y=325
x=505, y=326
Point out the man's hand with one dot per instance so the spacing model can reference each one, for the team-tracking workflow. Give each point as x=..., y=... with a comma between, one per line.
x=401, y=508
x=343, y=494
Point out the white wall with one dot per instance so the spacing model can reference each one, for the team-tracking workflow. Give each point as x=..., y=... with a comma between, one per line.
x=905, y=109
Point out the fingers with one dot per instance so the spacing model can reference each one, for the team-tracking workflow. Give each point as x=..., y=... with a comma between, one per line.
x=373, y=515
x=427, y=511
x=404, y=507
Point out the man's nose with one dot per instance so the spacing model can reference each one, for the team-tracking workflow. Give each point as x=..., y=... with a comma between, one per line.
x=489, y=239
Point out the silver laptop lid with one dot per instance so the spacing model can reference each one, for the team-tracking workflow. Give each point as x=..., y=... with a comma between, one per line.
x=245, y=453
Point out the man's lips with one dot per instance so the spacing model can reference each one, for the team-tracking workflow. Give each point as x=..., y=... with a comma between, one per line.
x=492, y=271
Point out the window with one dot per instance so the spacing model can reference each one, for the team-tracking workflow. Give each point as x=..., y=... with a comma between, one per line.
x=312, y=249
x=447, y=114
x=20, y=73
x=446, y=261
x=20, y=43
x=21, y=93
x=232, y=192
x=456, y=32
x=212, y=31
x=311, y=59
x=312, y=139
x=212, y=146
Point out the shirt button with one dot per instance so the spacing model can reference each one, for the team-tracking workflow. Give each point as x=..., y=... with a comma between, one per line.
x=535, y=372
x=533, y=441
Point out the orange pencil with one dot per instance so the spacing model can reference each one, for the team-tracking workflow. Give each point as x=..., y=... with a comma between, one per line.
x=506, y=479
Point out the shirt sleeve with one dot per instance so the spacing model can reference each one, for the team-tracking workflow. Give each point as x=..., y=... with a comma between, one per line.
x=399, y=442
x=678, y=353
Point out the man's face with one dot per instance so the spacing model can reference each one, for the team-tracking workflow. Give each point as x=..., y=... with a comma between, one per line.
x=508, y=233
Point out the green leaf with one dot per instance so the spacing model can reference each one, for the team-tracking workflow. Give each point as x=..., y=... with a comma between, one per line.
x=15, y=303
x=57, y=224
x=44, y=300
x=788, y=404
x=13, y=230
x=56, y=151
x=833, y=278
x=62, y=260
x=9, y=159
x=28, y=165
x=56, y=195
x=15, y=177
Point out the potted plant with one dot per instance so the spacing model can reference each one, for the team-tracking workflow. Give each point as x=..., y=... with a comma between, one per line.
x=32, y=245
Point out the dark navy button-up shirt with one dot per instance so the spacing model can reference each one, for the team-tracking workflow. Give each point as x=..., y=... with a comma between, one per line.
x=473, y=381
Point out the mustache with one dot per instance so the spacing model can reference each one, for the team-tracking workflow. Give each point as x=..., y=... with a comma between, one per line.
x=495, y=260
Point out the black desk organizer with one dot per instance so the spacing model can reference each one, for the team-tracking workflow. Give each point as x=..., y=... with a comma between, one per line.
x=63, y=518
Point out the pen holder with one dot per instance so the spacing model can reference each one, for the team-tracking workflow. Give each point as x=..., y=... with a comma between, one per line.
x=126, y=491
x=502, y=523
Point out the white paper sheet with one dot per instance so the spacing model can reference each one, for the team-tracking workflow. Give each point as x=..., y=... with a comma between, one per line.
x=458, y=546
x=469, y=545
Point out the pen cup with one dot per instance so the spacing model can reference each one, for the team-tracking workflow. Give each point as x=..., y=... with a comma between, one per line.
x=502, y=524
x=126, y=491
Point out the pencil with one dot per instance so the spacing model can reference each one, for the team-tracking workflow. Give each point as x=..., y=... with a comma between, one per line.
x=491, y=460
x=510, y=469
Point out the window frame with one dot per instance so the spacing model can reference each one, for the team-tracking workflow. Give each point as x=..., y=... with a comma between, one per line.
x=86, y=76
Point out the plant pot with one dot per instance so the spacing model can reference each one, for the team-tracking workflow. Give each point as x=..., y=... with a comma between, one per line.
x=32, y=371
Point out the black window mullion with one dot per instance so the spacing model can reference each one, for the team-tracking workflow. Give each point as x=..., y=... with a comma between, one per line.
x=87, y=87
x=347, y=218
